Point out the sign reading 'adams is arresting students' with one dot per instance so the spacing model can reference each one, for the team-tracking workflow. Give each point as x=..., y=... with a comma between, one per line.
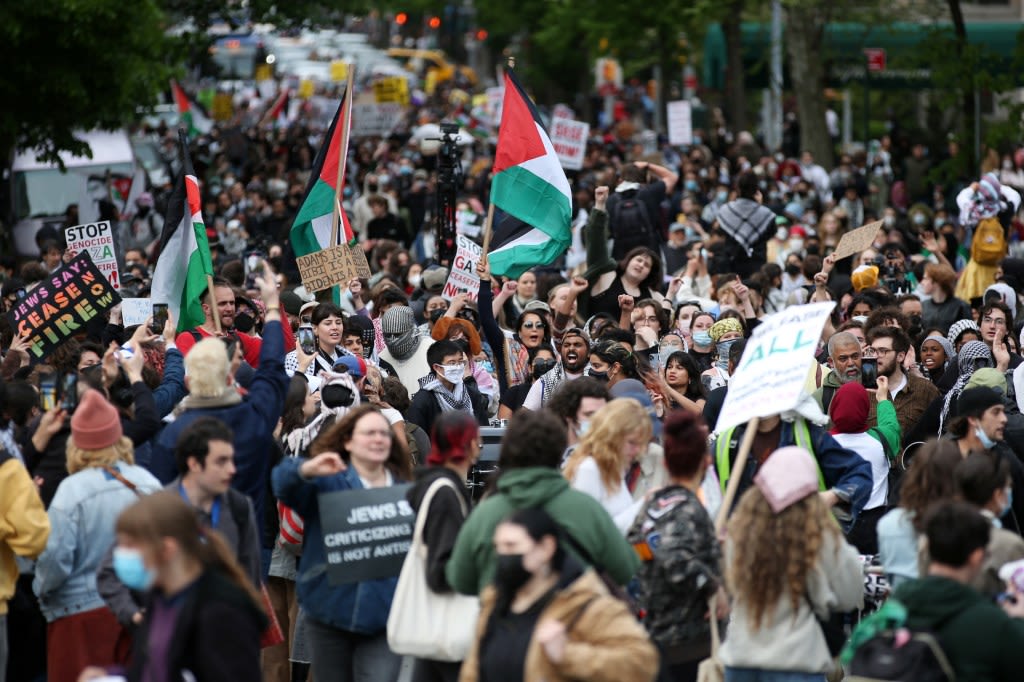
x=367, y=532
x=61, y=305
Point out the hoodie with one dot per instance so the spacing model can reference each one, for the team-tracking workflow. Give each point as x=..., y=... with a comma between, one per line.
x=979, y=639
x=471, y=567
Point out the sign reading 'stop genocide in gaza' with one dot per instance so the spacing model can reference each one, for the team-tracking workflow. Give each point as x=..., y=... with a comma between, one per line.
x=367, y=532
x=61, y=305
x=463, y=277
x=98, y=240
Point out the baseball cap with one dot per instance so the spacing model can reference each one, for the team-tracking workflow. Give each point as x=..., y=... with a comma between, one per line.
x=356, y=367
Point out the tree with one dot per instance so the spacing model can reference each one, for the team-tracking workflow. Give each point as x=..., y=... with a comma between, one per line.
x=804, y=34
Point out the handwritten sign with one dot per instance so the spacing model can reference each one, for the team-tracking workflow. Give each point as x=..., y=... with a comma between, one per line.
x=857, y=240
x=135, y=311
x=61, y=305
x=569, y=138
x=338, y=264
x=98, y=240
x=367, y=533
x=391, y=89
x=680, y=123
x=375, y=120
x=463, y=277
x=773, y=370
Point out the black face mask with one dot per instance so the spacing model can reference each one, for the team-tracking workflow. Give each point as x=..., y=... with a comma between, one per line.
x=437, y=314
x=509, y=573
x=371, y=188
x=600, y=376
x=792, y=269
x=244, y=322
x=542, y=367
x=915, y=324
x=336, y=395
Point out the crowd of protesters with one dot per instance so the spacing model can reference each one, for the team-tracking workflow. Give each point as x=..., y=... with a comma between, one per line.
x=168, y=526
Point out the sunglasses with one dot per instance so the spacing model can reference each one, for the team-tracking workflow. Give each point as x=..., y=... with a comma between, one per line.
x=534, y=325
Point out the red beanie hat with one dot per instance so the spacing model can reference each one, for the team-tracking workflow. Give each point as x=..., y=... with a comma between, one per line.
x=849, y=409
x=96, y=423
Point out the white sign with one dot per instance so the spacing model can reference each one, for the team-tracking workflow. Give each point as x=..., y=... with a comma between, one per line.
x=98, y=240
x=463, y=277
x=680, y=123
x=772, y=373
x=495, y=102
x=569, y=138
x=563, y=111
x=376, y=120
x=135, y=311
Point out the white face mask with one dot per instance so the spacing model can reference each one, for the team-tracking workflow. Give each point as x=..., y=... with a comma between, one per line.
x=453, y=373
x=796, y=244
x=781, y=233
x=414, y=280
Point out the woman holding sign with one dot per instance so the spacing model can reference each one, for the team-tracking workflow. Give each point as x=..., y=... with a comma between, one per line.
x=347, y=620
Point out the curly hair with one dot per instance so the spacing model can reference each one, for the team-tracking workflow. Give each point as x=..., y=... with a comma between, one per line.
x=610, y=426
x=79, y=459
x=337, y=436
x=773, y=553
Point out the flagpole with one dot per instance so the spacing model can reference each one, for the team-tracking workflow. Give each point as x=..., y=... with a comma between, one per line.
x=346, y=117
x=214, y=310
x=487, y=229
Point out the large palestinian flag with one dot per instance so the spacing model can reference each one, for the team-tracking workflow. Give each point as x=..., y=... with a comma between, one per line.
x=529, y=187
x=190, y=114
x=183, y=253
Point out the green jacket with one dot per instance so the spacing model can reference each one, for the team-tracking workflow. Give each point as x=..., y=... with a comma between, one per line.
x=471, y=567
x=979, y=639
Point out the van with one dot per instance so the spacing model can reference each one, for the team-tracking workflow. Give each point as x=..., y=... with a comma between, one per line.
x=41, y=192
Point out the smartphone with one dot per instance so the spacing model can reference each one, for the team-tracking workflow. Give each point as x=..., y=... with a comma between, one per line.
x=306, y=340
x=69, y=392
x=253, y=268
x=159, y=318
x=869, y=372
x=48, y=391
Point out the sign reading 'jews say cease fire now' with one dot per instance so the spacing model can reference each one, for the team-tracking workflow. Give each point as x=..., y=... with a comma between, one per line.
x=61, y=305
x=772, y=373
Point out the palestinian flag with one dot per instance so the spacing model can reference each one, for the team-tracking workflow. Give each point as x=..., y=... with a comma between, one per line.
x=311, y=230
x=278, y=112
x=182, y=257
x=190, y=114
x=530, y=187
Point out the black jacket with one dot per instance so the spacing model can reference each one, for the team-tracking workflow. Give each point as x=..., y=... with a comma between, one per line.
x=425, y=409
x=444, y=520
x=216, y=635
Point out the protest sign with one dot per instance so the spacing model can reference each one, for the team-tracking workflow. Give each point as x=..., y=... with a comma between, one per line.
x=857, y=240
x=495, y=102
x=569, y=138
x=393, y=89
x=680, y=123
x=463, y=277
x=772, y=373
x=375, y=120
x=337, y=265
x=367, y=532
x=98, y=240
x=61, y=305
x=563, y=111
x=135, y=311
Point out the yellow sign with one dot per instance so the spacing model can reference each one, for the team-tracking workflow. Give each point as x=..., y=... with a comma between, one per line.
x=393, y=89
x=339, y=70
x=264, y=72
x=223, y=108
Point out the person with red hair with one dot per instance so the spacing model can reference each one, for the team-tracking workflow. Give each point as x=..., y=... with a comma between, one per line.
x=455, y=447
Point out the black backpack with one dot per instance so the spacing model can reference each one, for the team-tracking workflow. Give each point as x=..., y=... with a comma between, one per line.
x=895, y=653
x=630, y=224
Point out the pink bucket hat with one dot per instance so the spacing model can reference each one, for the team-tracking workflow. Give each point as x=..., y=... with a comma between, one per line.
x=789, y=475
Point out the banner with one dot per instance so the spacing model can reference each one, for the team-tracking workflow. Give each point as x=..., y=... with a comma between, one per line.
x=60, y=306
x=98, y=240
x=463, y=277
x=337, y=265
x=367, y=532
x=375, y=120
x=569, y=138
x=772, y=373
x=680, y=123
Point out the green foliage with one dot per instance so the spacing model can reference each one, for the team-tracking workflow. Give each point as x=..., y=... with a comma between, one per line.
x=76, y=65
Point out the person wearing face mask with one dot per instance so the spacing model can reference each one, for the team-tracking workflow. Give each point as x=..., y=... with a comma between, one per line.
x=984, y=481
x=612, y=362
x=702, y=344
x=547, y=618
x=720, y=197
x=542, y=361
x=723, y=333
x=203, y=619
x=448, y=387
x=405, y=353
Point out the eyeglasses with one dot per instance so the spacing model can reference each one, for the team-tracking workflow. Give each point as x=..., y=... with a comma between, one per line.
x=882, y=352
x=534, y=325
x=997, y=321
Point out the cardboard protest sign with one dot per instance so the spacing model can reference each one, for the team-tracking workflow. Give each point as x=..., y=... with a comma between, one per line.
x=98, y=240
x=135, y=311
x=463, y=277
x=375, y=120
x=367, y=533
x=569, y=138
x=60, y=306
x=857, y=240
x=680, y=123
x=773, y=370
x=337, y=265
x=391, y=89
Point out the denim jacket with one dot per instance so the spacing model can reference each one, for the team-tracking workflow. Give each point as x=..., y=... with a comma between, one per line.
x=83, y=515
x=361, y=607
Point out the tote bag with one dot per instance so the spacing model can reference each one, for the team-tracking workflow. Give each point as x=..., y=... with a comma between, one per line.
x=416, y=609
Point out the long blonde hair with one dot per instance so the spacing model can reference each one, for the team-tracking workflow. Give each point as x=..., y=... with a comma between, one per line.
x=78, y=459
x=773, y=553
x=609, y=428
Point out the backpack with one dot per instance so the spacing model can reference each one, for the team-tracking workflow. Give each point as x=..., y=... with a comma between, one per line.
x=988, y=246
x=630, y=224
x=882, y=649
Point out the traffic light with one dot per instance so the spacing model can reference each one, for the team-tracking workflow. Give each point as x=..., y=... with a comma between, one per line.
x=434, y=23
x=481, y=35
x=401, y=18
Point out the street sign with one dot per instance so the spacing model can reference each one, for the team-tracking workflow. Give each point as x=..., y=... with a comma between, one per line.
x=876, y=59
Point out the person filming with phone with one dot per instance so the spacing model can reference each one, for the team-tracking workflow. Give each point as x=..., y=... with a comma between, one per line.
x=910, y=394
